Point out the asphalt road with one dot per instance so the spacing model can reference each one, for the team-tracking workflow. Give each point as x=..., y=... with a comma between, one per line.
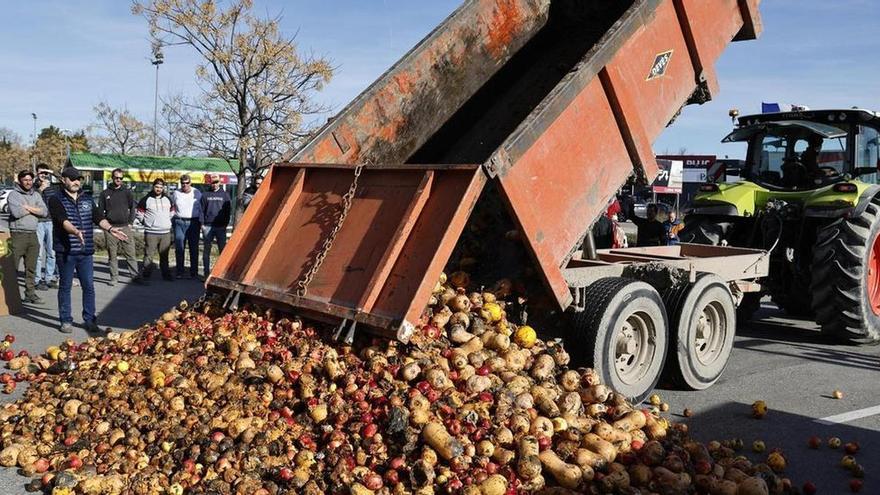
x=782, y=361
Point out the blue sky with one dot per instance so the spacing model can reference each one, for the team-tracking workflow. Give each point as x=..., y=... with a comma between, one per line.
x=60, y=57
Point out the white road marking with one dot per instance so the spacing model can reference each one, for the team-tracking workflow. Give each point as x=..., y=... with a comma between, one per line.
x=849, y=416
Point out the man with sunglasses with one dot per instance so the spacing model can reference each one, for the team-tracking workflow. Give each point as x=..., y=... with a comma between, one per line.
x=46, y=277
x=74, y=215
x=186, y=224
x=118, y=206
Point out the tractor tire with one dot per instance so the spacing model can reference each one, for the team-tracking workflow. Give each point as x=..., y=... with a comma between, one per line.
x=846, y=277
x=702, y=325
x=704, y=230
x=622, y=335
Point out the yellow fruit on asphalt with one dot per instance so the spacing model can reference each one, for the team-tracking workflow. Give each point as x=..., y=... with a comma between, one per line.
x=834, y=443
x=655, y=400
x=759, y=409
x=848, y=462
x=122, y=366
x=758, y=446
x=837, y=394
x=525, y=336
x=776, y=462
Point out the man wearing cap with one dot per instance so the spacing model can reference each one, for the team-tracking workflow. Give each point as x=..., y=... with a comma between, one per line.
x=215, y=212
x=46, y=277
x=73, y=215
x=26, y=207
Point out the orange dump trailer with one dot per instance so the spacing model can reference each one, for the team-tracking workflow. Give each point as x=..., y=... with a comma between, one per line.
x=550, y=105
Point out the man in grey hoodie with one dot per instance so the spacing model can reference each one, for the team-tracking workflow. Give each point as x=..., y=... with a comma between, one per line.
x=155, y=211
x=26, y=207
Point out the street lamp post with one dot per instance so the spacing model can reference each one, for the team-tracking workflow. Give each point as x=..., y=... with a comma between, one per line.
x=34, y=145
x=158, y=58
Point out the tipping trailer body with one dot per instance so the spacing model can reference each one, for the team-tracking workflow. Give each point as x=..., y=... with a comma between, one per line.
x=555, y=101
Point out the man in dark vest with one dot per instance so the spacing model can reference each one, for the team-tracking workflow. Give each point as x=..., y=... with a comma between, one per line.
x=74, y=214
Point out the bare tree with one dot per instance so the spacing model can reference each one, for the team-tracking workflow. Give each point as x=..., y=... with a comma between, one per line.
x=118, y=131
x=256, y=88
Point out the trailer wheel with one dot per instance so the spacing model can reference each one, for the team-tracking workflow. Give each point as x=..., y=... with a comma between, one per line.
x=622, y=335
x=846, y=277
x=702, y=324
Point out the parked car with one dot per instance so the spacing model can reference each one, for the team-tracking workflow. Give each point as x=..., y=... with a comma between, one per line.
x=4, y=208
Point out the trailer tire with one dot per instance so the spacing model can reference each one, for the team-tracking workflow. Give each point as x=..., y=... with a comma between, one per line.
x=702, y=325
x=622, y=335
x=846, y=277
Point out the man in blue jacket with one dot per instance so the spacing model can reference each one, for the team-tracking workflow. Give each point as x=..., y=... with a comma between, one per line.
x=74, y=214
x=216, y=209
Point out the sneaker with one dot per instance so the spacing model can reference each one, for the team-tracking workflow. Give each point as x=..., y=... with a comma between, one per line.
x=112, y=283
x=139, y=281
x=42, y=286
x=66, y=328
x=53, y=284
x=168, y=277
x=92, y=327
x=180, y=275
x=34, y=299
x=76, y=282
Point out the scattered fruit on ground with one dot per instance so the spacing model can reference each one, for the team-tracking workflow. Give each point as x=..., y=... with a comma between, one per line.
x=759, y=409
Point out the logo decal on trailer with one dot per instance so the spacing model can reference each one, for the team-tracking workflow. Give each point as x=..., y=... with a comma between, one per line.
x=661, y=62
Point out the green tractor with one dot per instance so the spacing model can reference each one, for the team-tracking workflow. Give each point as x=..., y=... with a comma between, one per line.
x=810, y=196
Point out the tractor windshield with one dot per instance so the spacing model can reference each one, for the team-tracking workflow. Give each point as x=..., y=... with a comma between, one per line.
x=796, y=155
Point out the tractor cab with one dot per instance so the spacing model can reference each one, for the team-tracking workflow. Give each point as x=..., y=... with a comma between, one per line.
x=807, y=150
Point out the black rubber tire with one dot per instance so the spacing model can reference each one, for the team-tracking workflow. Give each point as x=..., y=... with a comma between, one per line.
x=750, y=304
x=610, y=302
x=685, y=305
x=700, y=229
x=840, y=277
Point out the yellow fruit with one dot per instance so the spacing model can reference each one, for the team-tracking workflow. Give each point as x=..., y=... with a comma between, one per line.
x=758, y=446
x=655, y=400
x=167, y=446
x=559, y=424
x=525, y=336
x=175, y=489
x=837, y=394
x=491, y=312
x=62, y=490
x=157, y=379
x=776, y=462
x=122, y=366
x=53, y=352
x=759, y=409
x=834, y=443
x=848, y=462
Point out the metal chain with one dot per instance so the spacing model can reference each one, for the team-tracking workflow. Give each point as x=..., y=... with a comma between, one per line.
x=302, y=285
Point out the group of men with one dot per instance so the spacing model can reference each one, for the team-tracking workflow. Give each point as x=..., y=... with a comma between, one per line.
x=52, y=228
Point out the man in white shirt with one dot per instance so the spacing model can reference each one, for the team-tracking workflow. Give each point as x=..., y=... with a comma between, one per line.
x=186, y=226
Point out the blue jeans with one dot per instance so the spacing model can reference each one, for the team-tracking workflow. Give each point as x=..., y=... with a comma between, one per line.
x=186, y=235
x=44, y=237
x=209, y=233
x=84, y=267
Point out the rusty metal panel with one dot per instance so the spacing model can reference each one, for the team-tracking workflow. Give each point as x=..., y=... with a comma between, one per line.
x=403, y=223
x=403, y=108
x=655, y=69
x=559, y=184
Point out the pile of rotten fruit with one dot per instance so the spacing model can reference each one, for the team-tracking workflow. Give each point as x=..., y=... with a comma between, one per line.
x=207, y=401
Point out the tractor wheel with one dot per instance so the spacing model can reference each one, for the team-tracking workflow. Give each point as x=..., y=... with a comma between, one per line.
x=704, y=230
x=622, y=335
x=846, y=277
x=702, y=324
